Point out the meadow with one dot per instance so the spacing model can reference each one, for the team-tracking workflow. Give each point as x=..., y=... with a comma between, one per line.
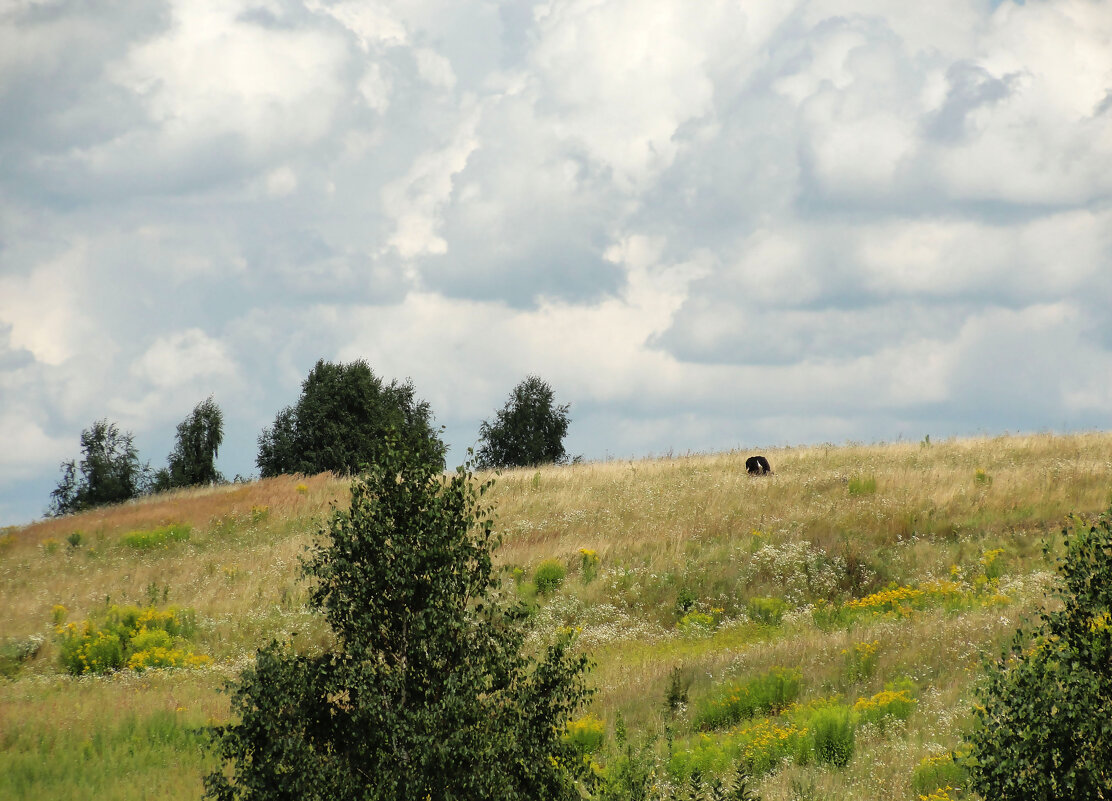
x=826, y=622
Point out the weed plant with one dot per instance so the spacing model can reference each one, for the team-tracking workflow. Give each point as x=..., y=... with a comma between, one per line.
x=549, y=575
x=767, y=692
x=159, y=537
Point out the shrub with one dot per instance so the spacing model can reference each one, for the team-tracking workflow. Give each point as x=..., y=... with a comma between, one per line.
x=586, y=735
x=549, y=575
x=767, y=692
x=126, y=636
x=884, y=706
x=696, y=623
x=769, y=611
x=982, y=478
x=832, y=735
x=428, y=689
x=861, y=660
x=160, y=537
x=990, y=562
x=588, y=564
x=940, y=772
x=1041, y=727
x=74, y=540
x=862, y=485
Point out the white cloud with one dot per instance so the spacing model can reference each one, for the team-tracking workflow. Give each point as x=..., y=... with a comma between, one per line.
x=183, y=358
x=49, y=310
x=773, y=222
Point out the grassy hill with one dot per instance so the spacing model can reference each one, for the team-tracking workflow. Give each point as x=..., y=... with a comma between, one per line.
x=864, y=579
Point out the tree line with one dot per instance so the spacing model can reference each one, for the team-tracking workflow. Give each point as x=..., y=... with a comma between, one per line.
x=340, y=423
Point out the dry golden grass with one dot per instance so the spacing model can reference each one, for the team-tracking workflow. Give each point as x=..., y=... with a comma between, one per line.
x=663, y=529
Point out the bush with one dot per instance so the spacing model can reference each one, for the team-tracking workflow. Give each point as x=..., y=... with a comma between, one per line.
x=696, y=623
x=160, y=537
x=832, y=735
x=768, y=692
x=586, y=735
x=768, y=611
x=429, y=690
x=1041, y=727
x=588, y=564
x=943, y=771
x=549, y=575
x=861, y=660
x=884, y=706
x=127, y=636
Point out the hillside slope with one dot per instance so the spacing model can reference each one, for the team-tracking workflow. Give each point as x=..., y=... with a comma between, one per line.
x=854, y=568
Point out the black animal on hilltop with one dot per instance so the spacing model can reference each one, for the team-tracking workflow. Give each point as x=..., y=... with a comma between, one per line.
x=757, y=466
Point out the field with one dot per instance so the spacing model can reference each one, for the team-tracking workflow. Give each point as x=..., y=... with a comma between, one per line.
x=866, y=580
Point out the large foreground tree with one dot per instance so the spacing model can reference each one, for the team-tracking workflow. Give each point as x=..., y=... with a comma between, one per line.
x=109, y=471
x=529, y=430
x=340, y=422
x=428, y=692
x=1043, y=729
x=193, y=460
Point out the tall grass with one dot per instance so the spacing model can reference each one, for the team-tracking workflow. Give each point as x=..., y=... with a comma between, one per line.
x=668, y=539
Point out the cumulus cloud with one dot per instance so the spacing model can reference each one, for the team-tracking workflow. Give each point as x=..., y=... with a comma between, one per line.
x=813, y=220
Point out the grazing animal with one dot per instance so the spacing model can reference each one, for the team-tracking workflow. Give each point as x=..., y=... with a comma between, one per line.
x=757, y=466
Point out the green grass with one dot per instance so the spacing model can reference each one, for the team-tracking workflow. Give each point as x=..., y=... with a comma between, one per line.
x=860, y=567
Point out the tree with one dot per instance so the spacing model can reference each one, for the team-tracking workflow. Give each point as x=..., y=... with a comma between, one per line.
x=193, y=460
x=109, y=472
x=1043, y=729
x=427, y=693
x=529, y=430
x=340, y=421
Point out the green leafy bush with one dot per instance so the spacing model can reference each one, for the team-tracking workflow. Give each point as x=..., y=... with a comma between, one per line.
x=832, y=735
x=549, y=575
x=696, y=623
x=767, y=692
x=587, y=734
x=127, y=636
x=588, y=564
x=939, y=772
x=429, y=689
x=1041, y=729
x=768, y=611
x=887, y=705
x=159, y=537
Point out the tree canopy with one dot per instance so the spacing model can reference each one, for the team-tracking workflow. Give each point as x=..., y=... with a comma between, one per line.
x=193, y=460
x=109, y=471
x=529, y=430
x=340, y=422
x=428, y=691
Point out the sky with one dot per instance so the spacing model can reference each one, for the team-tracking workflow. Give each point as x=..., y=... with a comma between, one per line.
x=708, y=226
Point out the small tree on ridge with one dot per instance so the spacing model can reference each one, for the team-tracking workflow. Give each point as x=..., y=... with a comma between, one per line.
x=108, y=472
x=340, y=423
x=193, y=460
x=529, y=430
